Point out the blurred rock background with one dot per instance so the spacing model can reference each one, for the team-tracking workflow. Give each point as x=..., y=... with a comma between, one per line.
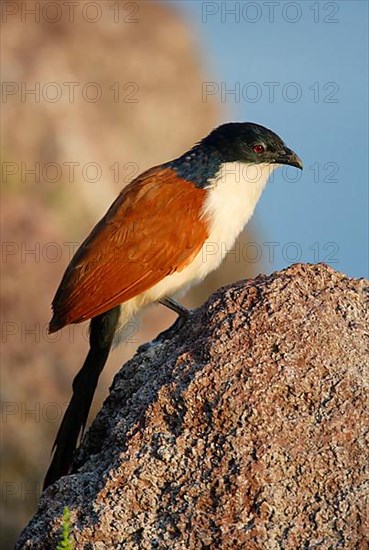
x=93, y=94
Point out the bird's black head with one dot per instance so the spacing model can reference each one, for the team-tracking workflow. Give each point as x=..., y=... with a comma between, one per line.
x=233, y=142
x=250, y=143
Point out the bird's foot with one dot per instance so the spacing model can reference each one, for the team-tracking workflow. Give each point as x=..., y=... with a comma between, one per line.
x=183, y=316
x=178, y=324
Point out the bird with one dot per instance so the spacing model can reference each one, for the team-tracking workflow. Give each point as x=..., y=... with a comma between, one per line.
x=152, y=244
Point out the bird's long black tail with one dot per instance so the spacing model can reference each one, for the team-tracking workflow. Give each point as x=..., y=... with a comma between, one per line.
x=102, y=330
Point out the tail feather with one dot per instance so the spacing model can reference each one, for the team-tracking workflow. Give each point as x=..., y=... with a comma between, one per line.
x=102, y=330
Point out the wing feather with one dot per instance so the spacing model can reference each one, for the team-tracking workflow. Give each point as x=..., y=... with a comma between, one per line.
x=154, y=228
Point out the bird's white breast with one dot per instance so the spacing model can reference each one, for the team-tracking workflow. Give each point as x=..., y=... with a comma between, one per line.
x=231, y=199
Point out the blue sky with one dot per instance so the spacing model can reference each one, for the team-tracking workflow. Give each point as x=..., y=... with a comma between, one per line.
x=303, y=72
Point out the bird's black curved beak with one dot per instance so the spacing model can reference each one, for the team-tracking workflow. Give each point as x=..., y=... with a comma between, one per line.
x=287, y=156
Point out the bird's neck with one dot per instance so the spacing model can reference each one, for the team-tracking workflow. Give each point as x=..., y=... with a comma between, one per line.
x=199, y=165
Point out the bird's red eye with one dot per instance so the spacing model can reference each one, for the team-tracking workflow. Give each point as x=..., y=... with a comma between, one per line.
x=258, y=149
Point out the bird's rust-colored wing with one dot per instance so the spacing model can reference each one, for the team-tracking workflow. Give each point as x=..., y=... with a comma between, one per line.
x=153, y=229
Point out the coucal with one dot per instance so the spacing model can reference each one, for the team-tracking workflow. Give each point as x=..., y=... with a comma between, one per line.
x=152, y=243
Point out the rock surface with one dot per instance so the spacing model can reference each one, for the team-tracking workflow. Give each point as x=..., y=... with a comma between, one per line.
x=246, y=430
